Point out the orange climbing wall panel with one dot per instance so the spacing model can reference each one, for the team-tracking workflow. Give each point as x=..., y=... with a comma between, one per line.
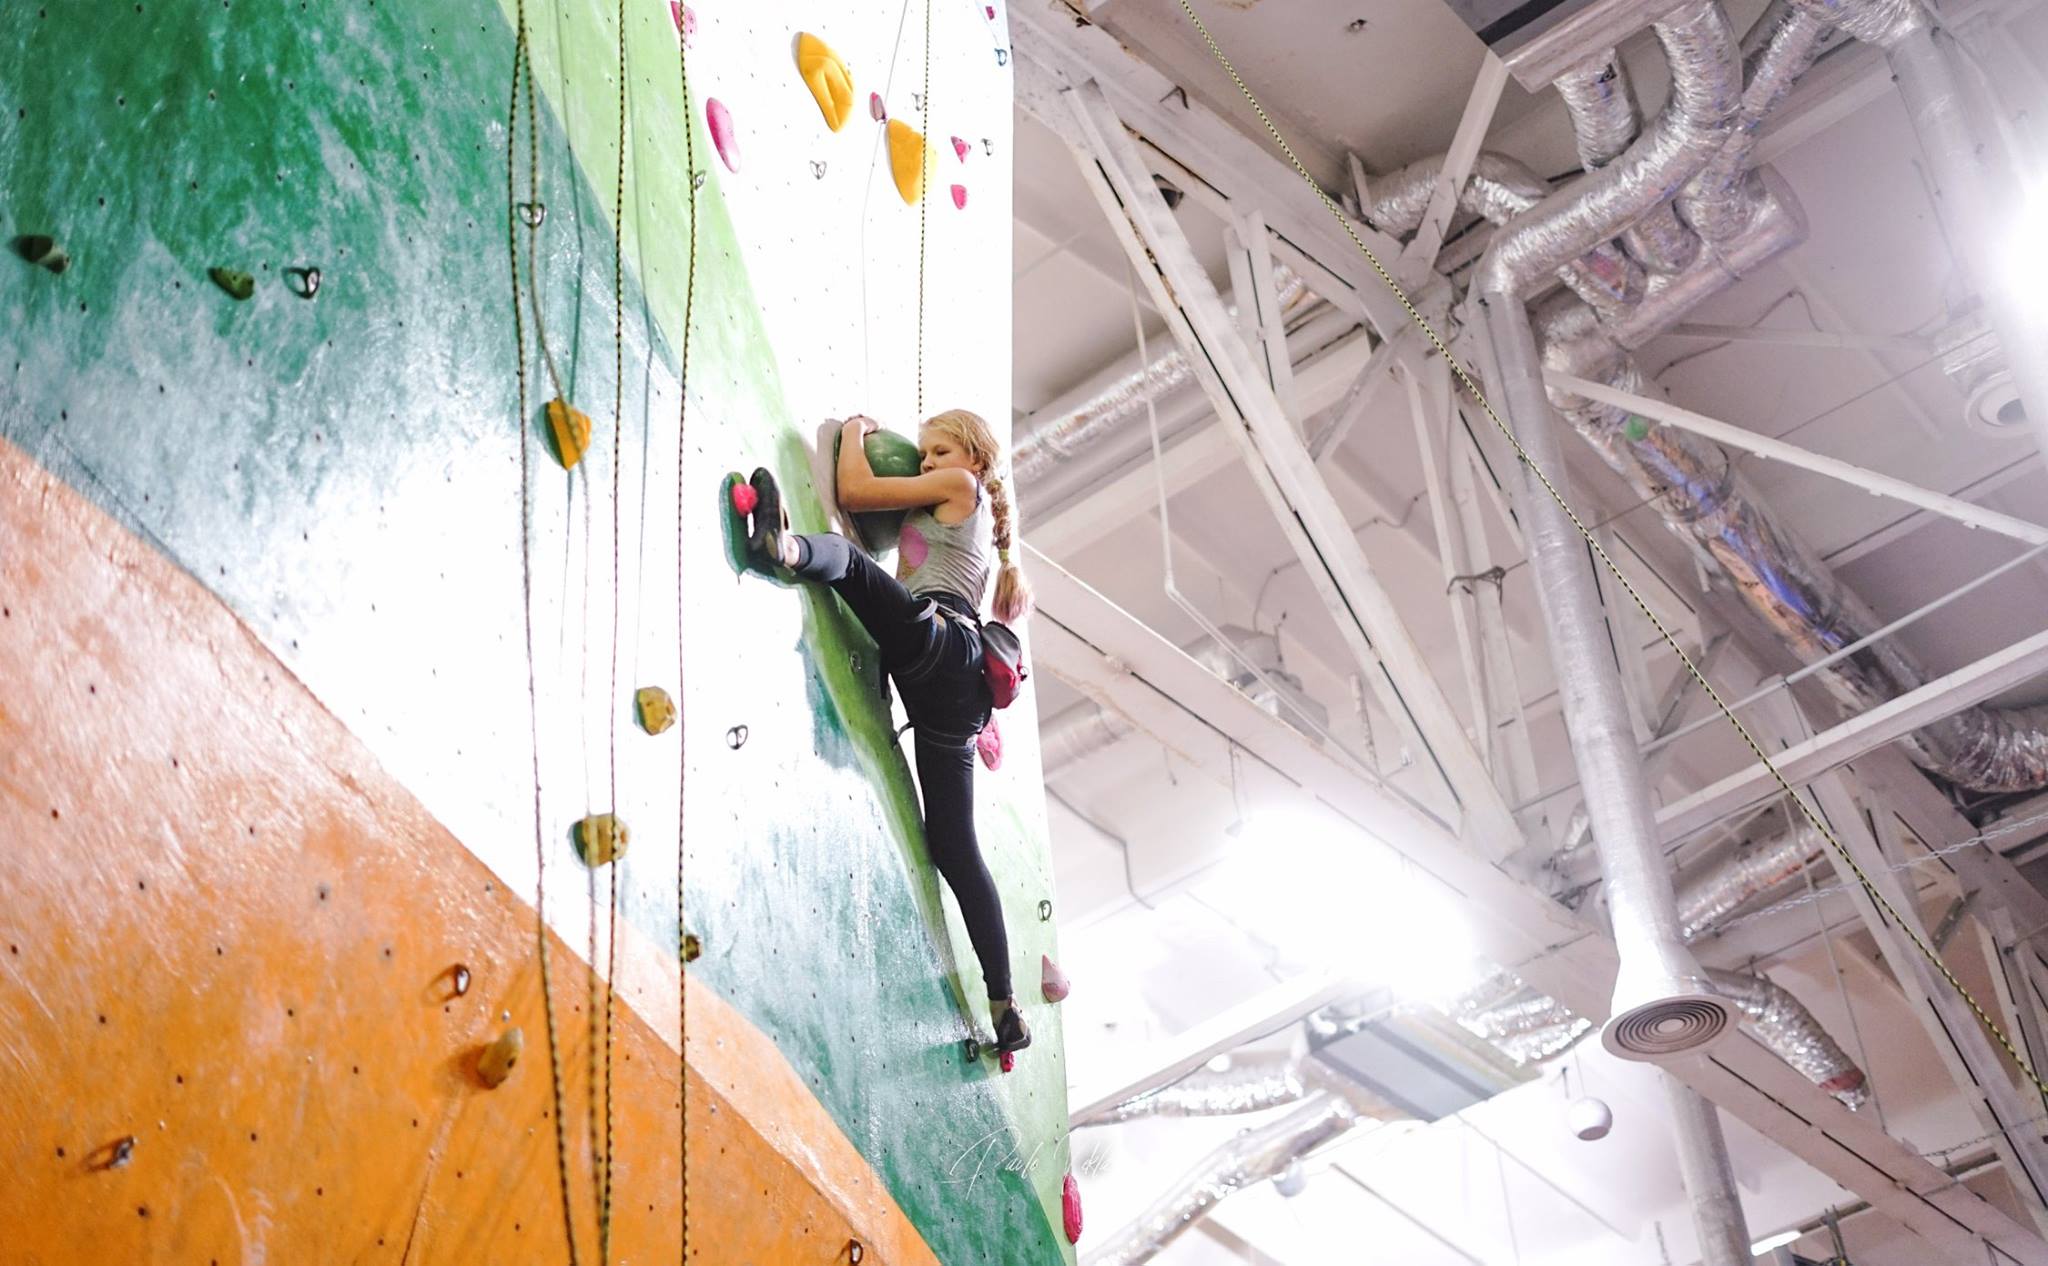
x=232, y=938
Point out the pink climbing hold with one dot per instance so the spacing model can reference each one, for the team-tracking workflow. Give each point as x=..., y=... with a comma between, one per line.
x=990, y=744
x=876, y=108
x=686, y=20
x=1070, y=1208
x=960, y=196
x=960, y=148
x=744, y=498
x=1008, y=1061
x=1053, y=982
x=991, y=13
x=723, y=134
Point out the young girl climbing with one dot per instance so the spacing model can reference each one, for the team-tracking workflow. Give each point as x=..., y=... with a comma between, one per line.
x=925, y=621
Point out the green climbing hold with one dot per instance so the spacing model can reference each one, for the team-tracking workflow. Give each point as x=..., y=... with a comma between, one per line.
x=891, y=456
x=1637, y=429
x=239, y=284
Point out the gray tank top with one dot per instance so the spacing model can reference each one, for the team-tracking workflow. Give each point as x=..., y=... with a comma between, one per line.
x=935, y=557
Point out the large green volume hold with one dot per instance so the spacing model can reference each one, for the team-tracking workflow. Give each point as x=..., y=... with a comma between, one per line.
x=893, y=457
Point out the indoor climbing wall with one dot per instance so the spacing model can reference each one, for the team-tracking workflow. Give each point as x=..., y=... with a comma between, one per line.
x=293, y=625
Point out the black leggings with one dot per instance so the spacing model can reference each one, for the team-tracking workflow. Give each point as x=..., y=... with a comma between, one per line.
x=936, y=663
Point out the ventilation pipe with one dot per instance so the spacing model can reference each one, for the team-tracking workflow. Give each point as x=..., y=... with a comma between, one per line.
x=1249, y=1158
x=1708, y=1175
x=1064, y=434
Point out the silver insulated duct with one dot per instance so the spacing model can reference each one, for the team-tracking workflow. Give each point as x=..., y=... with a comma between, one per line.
x=1781, y=1022
x=1250, y=1157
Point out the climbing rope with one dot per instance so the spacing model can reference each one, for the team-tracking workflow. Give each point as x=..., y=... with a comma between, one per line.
x=604, y=1197
x=1812, y=815
x=682, y=729
x=522, y=65
x=924, y=197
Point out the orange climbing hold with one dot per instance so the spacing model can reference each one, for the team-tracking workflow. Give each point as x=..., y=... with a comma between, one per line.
x=825, y=72
x=570, y=428
x=495, y=1062
x=907, y=159
x=723, y=134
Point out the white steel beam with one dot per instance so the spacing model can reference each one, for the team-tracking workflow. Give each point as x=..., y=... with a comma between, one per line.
x=1050, y=51
x=1418, y=258
x=1867, y=731
x=1792, y=455
x=1107, y=654
x=1280, y=464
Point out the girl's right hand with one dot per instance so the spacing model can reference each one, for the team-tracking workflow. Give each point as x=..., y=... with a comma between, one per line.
x=868, y=426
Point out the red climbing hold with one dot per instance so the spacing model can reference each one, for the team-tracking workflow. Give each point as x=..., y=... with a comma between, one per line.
x=876, y=108
x=744, y=498
x=991, y=13
x=723, y=134
x=1052, y=982
x=990, y=744
x=960, y=148
x=1008, y=1061
x=1070, y=1208
x=960, y=196
x=686, y=20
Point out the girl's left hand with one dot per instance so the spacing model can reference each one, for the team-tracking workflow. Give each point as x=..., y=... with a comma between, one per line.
x=868, y=426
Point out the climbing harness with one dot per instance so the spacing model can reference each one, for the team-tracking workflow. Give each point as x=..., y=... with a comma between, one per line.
x=1811, y=814
x=522, y=66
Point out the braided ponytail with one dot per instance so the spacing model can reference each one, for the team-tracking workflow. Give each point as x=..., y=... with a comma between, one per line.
x=1013, y=595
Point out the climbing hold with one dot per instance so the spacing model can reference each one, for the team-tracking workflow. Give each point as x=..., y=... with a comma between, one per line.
x=1002, y=57
x=693, y=949
x=1007, y=1061
x=907, y=160
x=1637, y=430
x=817, y=169
x=825, y=72
x=1052, y=981
x=534, y=214
x=1044, y=911
x=305, y=282
x=744, y=498
x=988, y=147
x=42, y=251
x=570, y=428
x=719, y=119
x=960, y=197
x=736, y=737
x=1070, y=1208
x=685, y=20
x=990, y=744
x=458, y=976
x=657, y=710
x=854, y=1252
x=991, y=10
x=495, y=1063
x=960, y=149
x=239, y=284
x=697, y=181
x=114, y=1155
x=601, y=838
x=876, y=108
x=891, y=456
x=972, y=1049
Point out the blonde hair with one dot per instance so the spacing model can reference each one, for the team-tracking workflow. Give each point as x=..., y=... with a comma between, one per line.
x=972, y=434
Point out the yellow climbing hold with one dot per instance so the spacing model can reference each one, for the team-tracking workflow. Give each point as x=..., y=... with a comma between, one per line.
x=657, y=709
x=496, y=1061
x=570, y=428
x=601, y=838
x=829, y=79
x=907, y=160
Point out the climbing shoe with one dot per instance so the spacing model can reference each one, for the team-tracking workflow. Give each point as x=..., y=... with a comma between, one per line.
x=1011, y=1033
x=770, y=521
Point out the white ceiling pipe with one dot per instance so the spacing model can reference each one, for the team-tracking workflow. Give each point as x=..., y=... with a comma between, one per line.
x=1250, y=1157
